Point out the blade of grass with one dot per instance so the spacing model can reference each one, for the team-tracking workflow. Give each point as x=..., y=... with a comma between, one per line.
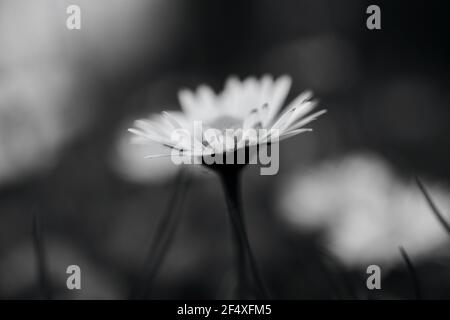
x=412, y=272
x=432, y=205
x=337, y=276
x=162, y=238
x=41, y=256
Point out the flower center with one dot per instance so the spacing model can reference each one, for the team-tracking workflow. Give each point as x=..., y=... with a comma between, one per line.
x=226, y=122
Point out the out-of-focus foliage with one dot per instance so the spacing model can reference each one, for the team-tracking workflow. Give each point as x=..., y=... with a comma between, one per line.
x=67, y=97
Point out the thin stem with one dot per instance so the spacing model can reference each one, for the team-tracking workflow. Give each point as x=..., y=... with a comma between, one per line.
x=238, y=240
x=163, y=236
x=433, y=207
x=412, y=272
x=230, y=181
x=40, y=251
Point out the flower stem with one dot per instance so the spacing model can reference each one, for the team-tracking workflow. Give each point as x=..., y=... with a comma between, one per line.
x=162, y=238
x=231, y=184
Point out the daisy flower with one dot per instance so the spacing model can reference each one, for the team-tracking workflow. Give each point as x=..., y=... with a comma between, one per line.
x=231, y=117
x=251, y=104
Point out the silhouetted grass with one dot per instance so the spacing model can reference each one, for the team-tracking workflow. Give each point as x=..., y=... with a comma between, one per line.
x=432, y=205
x=413, y=274
x=162, y=238
x=41, y=256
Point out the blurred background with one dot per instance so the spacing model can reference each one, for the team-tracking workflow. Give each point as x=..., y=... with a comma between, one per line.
x=344, y=197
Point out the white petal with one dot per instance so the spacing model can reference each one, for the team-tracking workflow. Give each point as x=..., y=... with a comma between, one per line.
x=149, y=136
x=188, y=102
x=306, y=120
x=292, y=133
x=283, y=120
x=172, y=120
x=206, y=98
x=303, y=97
x=266, y=89
x=299, y=112
x=154, y=156
x=280, y=92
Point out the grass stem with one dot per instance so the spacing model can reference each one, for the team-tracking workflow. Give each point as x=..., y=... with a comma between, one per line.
x=162, y=238
x=413, y=273
x=433, y=206
x=41, y=256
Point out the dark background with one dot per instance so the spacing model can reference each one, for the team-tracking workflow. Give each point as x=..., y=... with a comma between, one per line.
x=386, y=91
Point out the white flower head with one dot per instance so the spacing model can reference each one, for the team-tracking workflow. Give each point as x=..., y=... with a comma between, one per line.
x=229, y=118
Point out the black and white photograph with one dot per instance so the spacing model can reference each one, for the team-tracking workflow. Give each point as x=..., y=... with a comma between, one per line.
x=245, y=152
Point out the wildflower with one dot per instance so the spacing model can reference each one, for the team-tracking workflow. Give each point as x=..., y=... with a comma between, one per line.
x=243, y=105
x=241, y=108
